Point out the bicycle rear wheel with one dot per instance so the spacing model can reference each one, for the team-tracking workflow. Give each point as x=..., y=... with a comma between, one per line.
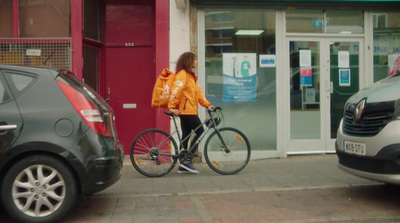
x=228, y=160
x=152, y=153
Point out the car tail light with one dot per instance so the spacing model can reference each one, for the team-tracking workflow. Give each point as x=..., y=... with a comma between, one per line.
x=86, y=109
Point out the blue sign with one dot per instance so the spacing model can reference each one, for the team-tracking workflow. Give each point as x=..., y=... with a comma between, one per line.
x=318, y=24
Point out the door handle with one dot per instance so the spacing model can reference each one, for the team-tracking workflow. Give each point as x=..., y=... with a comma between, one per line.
x=108, y=95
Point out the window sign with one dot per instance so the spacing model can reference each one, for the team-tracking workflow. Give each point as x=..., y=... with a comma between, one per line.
x=305, y=58
x=310, y=95
x=344, y=59
x=267, y=61
x=305, y=77
x=240, y=77
x=344, y=77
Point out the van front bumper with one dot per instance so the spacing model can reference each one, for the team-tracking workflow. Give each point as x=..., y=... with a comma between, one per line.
x=384, y=167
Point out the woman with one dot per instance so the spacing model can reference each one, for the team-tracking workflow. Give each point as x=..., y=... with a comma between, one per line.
x=184, y=100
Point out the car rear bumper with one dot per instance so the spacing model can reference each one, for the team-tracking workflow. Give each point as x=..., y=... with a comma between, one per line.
x=108, y=170
x=100, y=162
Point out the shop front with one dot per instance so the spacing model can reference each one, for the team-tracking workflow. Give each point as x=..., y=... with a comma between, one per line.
x=117, y=47
x=283, y=71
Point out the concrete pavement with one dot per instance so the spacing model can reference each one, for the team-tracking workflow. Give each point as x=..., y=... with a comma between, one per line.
x=294, y=189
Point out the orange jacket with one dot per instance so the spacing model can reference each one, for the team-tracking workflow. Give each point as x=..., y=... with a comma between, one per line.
x=186, y=94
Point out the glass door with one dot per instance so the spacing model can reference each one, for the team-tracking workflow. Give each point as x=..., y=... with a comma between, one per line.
x=344, y=66
x=323, y=75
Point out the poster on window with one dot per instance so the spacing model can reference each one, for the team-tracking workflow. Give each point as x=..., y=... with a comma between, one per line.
x=305, y=77
x=240, y=77
x=305, y=58
x=344, y=77
x=344, y=59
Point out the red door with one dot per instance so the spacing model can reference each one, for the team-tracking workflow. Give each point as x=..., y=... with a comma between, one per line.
x=130, y=65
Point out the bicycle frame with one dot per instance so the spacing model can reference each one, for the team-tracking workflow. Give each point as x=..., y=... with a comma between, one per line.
x=210, y=123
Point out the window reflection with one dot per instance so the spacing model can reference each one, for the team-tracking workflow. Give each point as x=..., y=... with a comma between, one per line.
x=234, y=41
x=325, y=21
x=6, y=16
x=345, y=22
x=305, y=110
x=386, y=43
x=39, y=18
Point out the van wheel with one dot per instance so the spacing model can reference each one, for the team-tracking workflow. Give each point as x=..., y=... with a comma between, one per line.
x=39, y=188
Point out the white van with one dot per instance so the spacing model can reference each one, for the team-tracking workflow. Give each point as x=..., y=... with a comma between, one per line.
x=368, y=139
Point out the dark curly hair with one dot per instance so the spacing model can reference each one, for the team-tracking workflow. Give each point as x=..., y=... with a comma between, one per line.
x=185, y=62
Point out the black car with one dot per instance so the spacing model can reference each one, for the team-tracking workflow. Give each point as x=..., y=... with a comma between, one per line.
x=57, y=142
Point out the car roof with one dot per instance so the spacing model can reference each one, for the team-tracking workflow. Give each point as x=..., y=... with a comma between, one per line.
x=54, y=72
x=18, y=67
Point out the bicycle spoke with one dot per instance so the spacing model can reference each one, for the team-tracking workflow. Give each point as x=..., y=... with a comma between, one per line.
x=152, y=153
x=231, y=159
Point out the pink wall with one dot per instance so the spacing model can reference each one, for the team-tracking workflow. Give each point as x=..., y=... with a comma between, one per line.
x=162, y=51
x=77, y=37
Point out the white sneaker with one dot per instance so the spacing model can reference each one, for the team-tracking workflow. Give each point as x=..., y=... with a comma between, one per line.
x=187, y=168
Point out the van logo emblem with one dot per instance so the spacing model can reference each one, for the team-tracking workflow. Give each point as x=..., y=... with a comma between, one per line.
x=359, y=110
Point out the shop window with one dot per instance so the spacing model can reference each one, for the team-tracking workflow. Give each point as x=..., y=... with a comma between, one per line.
x=304, y=21
x=38, y=18
x=386, y=44
x=6, y=16
x=92, y=20
x=344, y=22
x=236, y=40
x=90, y=66
x=380, y=20
x=325, y=21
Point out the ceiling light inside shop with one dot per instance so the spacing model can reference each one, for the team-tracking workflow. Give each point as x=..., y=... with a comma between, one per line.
x=249, y=32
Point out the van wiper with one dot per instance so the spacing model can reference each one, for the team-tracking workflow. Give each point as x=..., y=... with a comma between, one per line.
x=48, y=58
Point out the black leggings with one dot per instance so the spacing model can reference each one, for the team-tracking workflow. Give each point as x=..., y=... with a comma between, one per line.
x=189, y=123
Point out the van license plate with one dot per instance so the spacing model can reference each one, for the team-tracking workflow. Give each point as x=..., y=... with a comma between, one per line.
x=354, y=148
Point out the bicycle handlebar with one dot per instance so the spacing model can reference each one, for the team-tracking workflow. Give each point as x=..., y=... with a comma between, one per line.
x=214, y=109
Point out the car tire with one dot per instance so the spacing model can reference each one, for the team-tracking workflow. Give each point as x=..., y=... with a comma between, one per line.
x=39, y=188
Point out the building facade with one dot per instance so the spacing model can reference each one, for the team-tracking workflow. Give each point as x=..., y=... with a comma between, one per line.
x=281, y=70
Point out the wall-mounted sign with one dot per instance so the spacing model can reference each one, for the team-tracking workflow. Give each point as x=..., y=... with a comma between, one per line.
x=33, y=52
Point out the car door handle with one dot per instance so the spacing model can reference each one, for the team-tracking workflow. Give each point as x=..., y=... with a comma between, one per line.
x=7, y=127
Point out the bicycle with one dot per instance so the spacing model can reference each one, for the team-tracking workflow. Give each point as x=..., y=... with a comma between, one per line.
x=227, y=150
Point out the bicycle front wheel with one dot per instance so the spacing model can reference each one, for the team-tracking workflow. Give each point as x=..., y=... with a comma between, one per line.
x=228, y=160
x=153, y=153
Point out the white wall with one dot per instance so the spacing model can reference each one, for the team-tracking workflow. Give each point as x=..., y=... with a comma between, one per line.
x=179, y=32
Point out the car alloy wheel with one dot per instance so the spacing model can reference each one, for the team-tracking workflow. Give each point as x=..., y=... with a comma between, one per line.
x=39, y=189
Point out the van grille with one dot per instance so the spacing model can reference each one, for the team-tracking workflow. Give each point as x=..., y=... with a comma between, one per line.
x=372, y=122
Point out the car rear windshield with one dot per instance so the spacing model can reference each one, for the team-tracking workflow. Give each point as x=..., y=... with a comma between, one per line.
x=71, y=80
